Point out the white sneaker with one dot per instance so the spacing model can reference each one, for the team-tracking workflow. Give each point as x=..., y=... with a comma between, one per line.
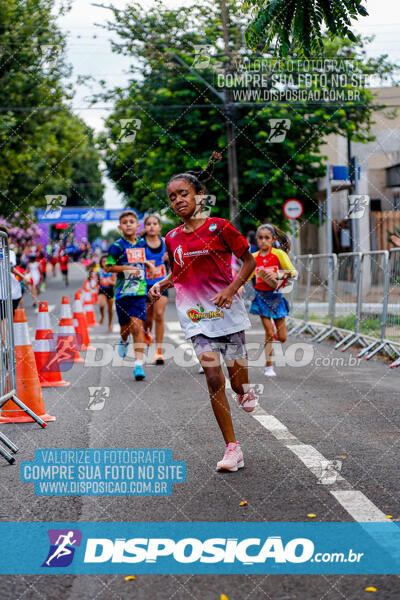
x=269, y=372
x=233, y=458
x=201, y=370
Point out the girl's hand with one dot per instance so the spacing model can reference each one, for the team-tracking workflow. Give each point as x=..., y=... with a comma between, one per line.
x=165, y=257
x=269, y=277
x=155, y=292
x=152, y=269
x=224, y=298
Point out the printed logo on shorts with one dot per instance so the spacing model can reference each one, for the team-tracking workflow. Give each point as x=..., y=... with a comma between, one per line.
x=213, y=227
x=196, y=314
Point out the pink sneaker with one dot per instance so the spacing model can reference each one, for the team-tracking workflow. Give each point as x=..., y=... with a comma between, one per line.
x=247, y=401
x=233, y=458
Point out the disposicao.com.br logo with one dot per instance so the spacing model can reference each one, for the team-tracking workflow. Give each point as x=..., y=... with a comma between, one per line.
x=191, y=550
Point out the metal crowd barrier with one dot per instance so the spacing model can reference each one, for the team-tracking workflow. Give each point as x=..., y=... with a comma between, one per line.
x=352, y=297
x=8, y=381
x=299, y=297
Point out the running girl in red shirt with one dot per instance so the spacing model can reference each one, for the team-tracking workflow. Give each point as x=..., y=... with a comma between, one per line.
x=63, y=259
x=273, y=270
x=211, y=312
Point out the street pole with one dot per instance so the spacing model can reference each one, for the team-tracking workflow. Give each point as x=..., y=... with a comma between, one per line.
x=230, y=128
x=328, y=207
x=329, y=245
x=355, y=222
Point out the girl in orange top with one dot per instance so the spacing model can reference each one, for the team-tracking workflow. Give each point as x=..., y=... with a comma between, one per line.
x=272, y=272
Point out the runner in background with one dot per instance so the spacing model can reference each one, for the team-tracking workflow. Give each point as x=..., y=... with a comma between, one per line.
x=33, y=270
x=210, y=310
x=63, y=259
x=273, y=270
x=54, y=259
x=106, y=291
x=43, y=269
x=127, y=258
x=156, y=253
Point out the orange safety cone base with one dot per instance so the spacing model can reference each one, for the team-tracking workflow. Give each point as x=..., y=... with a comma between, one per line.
x=24, y=418
x=54, y=383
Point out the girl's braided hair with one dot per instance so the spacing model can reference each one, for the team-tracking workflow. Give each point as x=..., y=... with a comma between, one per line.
x=196, y=178
x=279, y=235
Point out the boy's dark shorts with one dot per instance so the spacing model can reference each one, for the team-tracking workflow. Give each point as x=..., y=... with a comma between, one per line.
x=130, y=306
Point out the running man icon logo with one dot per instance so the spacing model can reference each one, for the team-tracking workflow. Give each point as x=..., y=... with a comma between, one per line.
x=54, y=206
x=97, y=397
x=279, y=129
x=63, y=543
x=129, y=129
x=178, y=256
x=357, y=206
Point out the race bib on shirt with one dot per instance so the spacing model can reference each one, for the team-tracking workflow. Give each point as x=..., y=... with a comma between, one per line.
x=160, y=272
x=105, y=281
x=136, y=255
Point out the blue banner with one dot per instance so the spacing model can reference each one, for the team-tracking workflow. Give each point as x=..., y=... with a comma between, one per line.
x=200, y=548
x=77, y=215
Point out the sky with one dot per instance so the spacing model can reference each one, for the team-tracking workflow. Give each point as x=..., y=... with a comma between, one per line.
x=89, y=52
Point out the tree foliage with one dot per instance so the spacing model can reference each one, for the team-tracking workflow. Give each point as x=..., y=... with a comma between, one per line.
x=44, y=148
x=288, y=24
x=178, y=121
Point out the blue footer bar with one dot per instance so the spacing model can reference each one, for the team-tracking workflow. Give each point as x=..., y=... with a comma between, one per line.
x=200, y=548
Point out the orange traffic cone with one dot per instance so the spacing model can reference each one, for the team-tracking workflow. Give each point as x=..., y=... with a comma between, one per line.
x=28, y=384
x=67, y=343
x=80, y=324
x=45, y=351
x=88, y=306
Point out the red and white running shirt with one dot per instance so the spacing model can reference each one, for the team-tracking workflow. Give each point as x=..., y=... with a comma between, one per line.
x=201, y=268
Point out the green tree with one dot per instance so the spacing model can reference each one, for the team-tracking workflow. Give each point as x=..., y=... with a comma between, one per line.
x=177, y=121
x=288, y=24
x=44, y=148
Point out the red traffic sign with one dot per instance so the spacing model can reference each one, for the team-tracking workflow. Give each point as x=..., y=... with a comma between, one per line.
x=293, y=209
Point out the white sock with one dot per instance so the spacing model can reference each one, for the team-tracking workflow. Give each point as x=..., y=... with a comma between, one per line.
x=138, y=363
x=269, y=370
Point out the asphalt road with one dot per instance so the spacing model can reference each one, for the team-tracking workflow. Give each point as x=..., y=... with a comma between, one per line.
x=346, y=412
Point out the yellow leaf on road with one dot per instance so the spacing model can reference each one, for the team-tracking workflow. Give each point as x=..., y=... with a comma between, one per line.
x=130, y=577
x=243, y=503
x=223, y=597
x=311, y=515
x=370, y=589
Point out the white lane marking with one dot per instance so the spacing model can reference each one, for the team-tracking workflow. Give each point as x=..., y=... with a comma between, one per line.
x=354, y=502
x=173, y=326
x=359, y=506
x=274, y=426
x=314, y=460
